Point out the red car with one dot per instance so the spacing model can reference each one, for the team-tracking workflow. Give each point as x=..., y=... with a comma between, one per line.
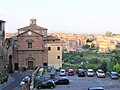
x=70, y=72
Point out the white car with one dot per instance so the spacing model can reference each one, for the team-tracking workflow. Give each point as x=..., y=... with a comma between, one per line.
x=100, y=73
x=96, y=88
x=22, y=83
x=90, y=72
x=25, y=80
x=62, y=72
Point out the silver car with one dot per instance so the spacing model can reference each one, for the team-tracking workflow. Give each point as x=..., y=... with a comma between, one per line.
x=90, y=72
x=100, y=73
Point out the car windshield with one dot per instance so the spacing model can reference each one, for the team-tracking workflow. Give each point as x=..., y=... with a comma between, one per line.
x=90, y=71
x=100, y=71
x=24, y=80
x=70, y=71
x=114, y=73
x=62, y=71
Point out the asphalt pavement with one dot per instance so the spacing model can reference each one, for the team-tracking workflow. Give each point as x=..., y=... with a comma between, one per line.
x=14, y=80
x=76, y=83
x=10, y=80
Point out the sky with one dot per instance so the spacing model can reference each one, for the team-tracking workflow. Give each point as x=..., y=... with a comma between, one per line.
x=66, y=16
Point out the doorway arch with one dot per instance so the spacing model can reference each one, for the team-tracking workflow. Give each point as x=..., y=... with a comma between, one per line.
x=10, y=64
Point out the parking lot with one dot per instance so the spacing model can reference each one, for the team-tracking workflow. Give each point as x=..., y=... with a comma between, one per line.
x=82, y=83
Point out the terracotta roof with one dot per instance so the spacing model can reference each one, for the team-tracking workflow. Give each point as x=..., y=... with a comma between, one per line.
x=32, y=27
x=9, y=35
x=51, y=38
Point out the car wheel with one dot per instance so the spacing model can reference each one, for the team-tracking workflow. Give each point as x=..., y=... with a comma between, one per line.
x=38, y=87
x=52, y=86
x=68, y=83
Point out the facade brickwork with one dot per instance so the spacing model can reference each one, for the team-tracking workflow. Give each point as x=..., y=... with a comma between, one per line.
x=29, y=56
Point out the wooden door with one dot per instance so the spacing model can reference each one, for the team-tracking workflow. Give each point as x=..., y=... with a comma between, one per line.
x=30, y=65
x=16, y=66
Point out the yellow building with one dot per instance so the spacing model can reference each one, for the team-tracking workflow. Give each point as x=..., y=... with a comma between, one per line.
x=54, y=52
x=106, y=44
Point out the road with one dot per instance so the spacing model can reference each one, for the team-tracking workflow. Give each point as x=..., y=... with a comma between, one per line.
x=76, y=83
x=15, y=85
x=82, y=83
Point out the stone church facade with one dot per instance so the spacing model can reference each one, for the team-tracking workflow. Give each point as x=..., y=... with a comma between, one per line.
x=29, y=49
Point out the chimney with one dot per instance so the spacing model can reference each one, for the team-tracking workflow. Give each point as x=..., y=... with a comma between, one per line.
x=32, y=21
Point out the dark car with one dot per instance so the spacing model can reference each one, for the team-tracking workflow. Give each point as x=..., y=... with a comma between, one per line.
x=46, y=84
x=62, y=81
x=96, y=88
x=113, y=75
x=81, y=73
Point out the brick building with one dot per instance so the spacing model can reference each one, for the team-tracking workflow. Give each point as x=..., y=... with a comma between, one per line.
x=30, y=49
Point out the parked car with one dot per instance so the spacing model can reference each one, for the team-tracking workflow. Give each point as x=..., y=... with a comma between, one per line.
x=25, y=80
x=62, y=81
x=46, y=84
x=62, y=72
x=71, y=72
x=53, y=73
x=90, y=72
x=81, y=73
x=100, y=73
x=96, y=88
x=113, y=75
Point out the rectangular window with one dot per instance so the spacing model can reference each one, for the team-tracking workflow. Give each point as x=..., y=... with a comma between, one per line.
x=49, y=48
x=58, y=57
x=58, y=48
x=29, y=45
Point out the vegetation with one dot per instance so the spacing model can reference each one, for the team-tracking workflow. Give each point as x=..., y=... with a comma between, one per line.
x=90, y=59
x=108, y=33
x=86, y=46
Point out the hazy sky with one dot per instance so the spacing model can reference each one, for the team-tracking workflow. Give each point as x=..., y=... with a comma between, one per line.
x=67, y=16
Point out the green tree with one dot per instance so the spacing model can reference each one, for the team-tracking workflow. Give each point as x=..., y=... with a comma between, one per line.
x=81, y=54
x=94, y=60
x=103, y=65
x=108, y=33
x=117, y=67
x=94, y=67
x=86, y=46
x=72, y=62
x=92, y=45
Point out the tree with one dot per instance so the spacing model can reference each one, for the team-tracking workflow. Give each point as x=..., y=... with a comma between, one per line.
x=86, y=46
x=94, y=67
x=117, y=67
x=108, y=33
x=94, y=60
x=92, y=45
x=89, y=40
x=104, y=65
